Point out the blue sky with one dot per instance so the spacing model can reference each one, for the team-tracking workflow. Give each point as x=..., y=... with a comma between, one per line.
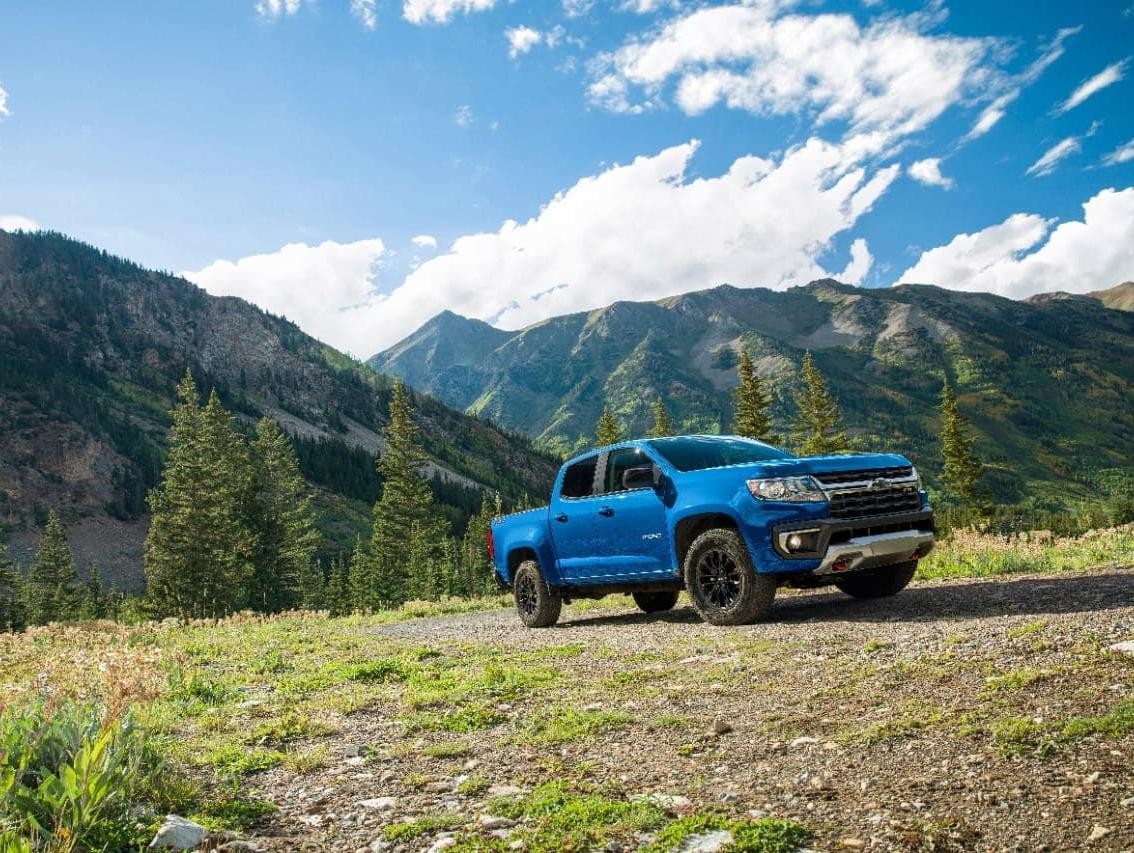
x=290, y=150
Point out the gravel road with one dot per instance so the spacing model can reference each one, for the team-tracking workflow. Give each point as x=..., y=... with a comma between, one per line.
x=974, y=714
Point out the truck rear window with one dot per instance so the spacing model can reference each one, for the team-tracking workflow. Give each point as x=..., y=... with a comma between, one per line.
x=579, y=479
x=695, y=453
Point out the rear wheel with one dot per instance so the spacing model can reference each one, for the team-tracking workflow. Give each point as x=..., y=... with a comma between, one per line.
x=722, y=582
x=537, y=605
x=880, y=582
x=655, y=602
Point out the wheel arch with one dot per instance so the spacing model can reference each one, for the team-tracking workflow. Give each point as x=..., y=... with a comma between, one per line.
x=691, y=526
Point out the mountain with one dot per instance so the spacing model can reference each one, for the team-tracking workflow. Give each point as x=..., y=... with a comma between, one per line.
x=91, y=347
x=1047, y=383
x=1120, y=297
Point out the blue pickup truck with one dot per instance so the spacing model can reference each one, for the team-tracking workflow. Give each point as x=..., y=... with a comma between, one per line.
x=728, y=519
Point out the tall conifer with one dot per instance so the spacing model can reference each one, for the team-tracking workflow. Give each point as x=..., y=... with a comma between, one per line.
x=663, y=424
x=608, y=430
x=818, y=427
x=49, y=590
x=962, y=471
x=751, y=401
x=11, y=593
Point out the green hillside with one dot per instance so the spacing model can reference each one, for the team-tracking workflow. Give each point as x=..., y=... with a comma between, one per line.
x=91, y=348
x=1048, y=384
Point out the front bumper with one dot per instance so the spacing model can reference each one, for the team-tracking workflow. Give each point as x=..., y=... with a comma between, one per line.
x=847, y=545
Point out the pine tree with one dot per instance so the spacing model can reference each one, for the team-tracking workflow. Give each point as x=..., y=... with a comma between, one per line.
x=314, y=586
x=962, y=471
x=11, y=593
x=663, y=425
x=92, y=604
x=286, y=537
x=49, y=590
x=475, y=569
x=198, y=559
x=818, y=426
x=751, y=401
x=339, y=598
x=405, y=520
x=608, y=430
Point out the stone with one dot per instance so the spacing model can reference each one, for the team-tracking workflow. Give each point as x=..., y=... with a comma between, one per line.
x=177, y=833
x=804, y=741
x=721, y=727
x=707, y=842
x=1128, y=803
x=852, y=843
x=356, y=761
x=505, y=791
x=351, y=750
x=440, y=787
x=518, y=844
x=672, y=803
x=442, y=842
x=491, y=822
x=382, y=804
x=1126, y=647
x=1098, y=832
x=238, y=845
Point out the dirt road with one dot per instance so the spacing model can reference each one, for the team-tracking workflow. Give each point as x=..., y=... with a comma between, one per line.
x=978, y=714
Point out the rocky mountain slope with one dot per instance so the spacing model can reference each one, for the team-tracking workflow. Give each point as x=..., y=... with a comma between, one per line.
x=1120, y=297
x=1047, y=383
x=91, y=347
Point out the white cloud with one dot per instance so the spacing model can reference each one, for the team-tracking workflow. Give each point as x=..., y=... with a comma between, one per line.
x=3, y=103
x=1122, y=154
x=327, y=289
x=521, y=40
x=1108, y=76
x=577, y=8
x=1046, y=164
x=990, y=116
x=425, y=241
x=890, y=76
x=463, y=117
x=1025, y=254
x=647, y=229
x=12, y=222
x=273, y=9
x=366, y=11
x=928, y=172
x=441, y=11
x=859, y=265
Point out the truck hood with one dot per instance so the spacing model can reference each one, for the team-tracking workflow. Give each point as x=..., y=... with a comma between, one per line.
x=811, y=465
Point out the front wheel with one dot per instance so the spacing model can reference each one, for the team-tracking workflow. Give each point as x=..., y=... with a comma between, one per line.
x=722, y=582
x=880, y=582
x=537, y=605
x=655, y=602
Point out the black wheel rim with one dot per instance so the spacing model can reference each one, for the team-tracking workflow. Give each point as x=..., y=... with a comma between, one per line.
x=526, y=594
x=718, y=579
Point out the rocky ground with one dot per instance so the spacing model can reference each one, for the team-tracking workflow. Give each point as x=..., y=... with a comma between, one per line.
x=975, y=714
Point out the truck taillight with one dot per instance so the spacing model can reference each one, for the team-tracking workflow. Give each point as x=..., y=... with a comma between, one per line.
x=491, y=544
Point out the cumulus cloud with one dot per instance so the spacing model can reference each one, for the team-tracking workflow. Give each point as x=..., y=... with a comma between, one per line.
x=577, y=8
x=645, y=230
x=521, y=40
x=1107, y=77
x=327, y=289
x=990, y=116
x=273, y=9
x=463, y=117
x=366, y=11
x=12, y=222
x=1027, y=254
x=928, y=172
x=3, y=103
x=425, y=241
x=441, y=11
x=890, y=76
x=1122, y=154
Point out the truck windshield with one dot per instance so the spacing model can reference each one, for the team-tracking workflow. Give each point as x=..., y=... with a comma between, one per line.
x=694, y=453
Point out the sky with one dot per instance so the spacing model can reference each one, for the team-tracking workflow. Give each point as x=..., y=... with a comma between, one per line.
x=361, y=165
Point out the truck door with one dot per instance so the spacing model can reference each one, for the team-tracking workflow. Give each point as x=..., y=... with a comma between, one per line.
x=573, y=513
x=631, y=519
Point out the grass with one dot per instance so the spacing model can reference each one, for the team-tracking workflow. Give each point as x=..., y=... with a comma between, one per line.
x=564, y=725
x=765, y=835
x=409, y=830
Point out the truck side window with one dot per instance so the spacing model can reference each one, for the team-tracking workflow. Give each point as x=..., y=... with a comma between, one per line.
x=619, y=461
x=579, y=479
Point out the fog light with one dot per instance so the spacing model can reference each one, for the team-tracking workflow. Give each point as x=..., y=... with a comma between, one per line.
x=795, y=542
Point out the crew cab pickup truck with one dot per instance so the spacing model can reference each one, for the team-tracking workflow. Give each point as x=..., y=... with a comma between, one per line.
x=728, y=519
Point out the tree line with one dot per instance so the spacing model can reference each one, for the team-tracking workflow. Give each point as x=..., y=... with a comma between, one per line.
x=818, y=427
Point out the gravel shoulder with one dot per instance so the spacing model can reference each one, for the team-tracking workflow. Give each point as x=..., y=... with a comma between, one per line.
x=971, y=714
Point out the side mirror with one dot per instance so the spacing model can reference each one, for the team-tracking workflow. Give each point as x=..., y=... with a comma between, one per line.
x=642, y=477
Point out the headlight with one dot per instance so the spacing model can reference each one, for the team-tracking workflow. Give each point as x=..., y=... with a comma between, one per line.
x=786, y=489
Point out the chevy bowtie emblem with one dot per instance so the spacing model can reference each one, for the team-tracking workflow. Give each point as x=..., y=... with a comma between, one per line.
x=878, y=485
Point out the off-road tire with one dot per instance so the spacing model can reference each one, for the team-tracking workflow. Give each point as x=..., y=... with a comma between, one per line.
x=722, y=583
x=879, y=583
x=536, y=603
x=655, y=602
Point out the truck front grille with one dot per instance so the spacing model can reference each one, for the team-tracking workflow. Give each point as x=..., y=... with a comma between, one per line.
x=878, y=500
x=844, y=479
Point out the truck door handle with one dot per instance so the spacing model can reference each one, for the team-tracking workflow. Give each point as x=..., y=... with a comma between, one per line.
x=607, y=511
x=561, y=517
